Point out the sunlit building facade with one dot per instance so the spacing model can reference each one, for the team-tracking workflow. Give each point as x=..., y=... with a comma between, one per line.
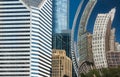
x=112, y=40
x=101, y=36
x=113, y=55
x=25, y=38
x=113, y=59
x=61, y=64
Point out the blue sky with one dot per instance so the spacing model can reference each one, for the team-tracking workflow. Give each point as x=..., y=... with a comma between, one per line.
x=102, y=6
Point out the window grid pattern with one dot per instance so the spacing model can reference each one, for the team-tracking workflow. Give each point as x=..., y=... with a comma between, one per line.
x=41, y=40
x=14, y=39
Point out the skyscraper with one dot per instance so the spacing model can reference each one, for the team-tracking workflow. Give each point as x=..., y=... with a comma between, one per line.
x=62, y=41
x=113, y=55
x=85, y=52
x=112, y=40
x=113, y=59
x=61, y=64
x=79, y=29
x=89, y=49
x=61, y=38
x=25, y=38
x=100, y=42
x=60, y=15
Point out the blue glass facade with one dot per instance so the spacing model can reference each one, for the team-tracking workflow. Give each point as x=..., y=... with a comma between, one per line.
x=60, y=15
x=62, y=41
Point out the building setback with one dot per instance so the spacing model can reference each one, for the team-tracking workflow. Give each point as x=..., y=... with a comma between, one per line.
x=61, y=64
x=25, y=38
x=101, y=34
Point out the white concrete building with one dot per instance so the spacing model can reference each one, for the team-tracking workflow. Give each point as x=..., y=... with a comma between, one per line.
x=100, y=41
x=112, y=40
x=25, y=38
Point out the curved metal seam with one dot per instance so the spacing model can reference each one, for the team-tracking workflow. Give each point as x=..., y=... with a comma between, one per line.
x=73, y=28
x=72, y=34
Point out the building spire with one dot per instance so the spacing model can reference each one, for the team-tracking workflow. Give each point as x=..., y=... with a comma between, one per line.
x=112, y=13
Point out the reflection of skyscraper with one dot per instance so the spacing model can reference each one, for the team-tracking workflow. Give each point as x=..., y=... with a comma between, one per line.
x=85, y=52
x=60, y=15
x=82, y=48
x=113, y=58
x=25, y=38
x=89, y=49
x=112, y=40
x=79, y=29
x=101, y=35
x=85, y=47
x=113, y=55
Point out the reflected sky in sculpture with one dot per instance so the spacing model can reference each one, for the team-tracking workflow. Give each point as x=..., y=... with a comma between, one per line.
x=102, y=6
x=73, y=8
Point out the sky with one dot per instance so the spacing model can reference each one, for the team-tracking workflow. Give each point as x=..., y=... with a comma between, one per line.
x=102, y=6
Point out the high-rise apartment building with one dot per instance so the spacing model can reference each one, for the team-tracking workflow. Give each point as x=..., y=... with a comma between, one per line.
x=61, y=64
x=25, y=38
x=100, y=42
x=113, y=59
x=113, y=55
x=60, y=15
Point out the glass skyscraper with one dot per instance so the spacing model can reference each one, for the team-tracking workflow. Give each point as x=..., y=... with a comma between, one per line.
x=25, y=38
x=60, y=15
x=62, y=41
